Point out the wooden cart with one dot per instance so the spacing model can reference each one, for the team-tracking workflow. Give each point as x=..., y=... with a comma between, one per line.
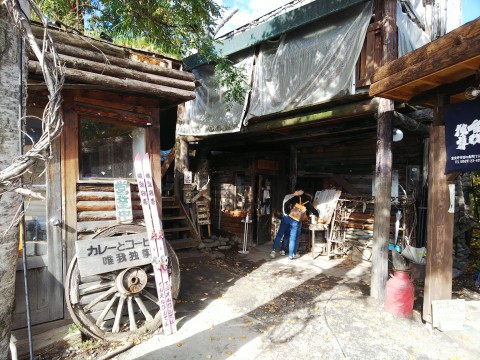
x=120, y=303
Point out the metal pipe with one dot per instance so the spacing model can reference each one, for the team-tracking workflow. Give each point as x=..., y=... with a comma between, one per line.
x=24, y=253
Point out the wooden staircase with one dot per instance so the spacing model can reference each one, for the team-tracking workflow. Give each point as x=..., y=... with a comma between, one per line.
x=177, y=226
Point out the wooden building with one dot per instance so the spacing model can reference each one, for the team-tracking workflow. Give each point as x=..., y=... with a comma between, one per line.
x=117, y=102
x=438, y=74
x=342, y=140
x=329, y=142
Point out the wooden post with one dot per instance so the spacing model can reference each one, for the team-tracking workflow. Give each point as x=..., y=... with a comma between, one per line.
x=181, y=164
x=155, y=157
x=383, y=168
x=293, y=167
x=383, y=186
x=438, y=271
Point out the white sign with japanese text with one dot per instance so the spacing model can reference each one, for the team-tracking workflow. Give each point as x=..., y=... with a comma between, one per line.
x=123, y=201
x=101, y=255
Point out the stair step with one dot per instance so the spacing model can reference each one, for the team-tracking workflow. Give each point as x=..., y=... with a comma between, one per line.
x=184, y=243
x=186, y=228
x=170, y=218
x=170, y=207
x=168, y=198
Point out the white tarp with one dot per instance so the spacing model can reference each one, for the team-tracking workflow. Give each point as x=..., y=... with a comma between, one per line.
x=207, y=113
x=309, y=65
x=303, y=67
x=410, y=35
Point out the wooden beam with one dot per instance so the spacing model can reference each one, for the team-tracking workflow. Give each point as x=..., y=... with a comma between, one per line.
x=345, y=185
x=120, y=72
x=409, y=124
x=350, y=110
x=181, y=163
x=383, y=167
x=69, y=170
x=435, y=49
x=168, y=161
x=460, y=50
x=383, y=186
x=134, y=86
x=90, y=49
x=438, y=276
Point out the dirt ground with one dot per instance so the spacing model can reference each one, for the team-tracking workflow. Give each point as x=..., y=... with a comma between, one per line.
x=203, y=283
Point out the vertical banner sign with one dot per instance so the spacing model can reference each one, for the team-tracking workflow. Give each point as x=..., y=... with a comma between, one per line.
x=123, y=202
x=462, y=136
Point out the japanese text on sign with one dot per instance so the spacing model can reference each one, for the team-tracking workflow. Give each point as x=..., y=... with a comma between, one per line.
x=123, y=202
x=100, y=255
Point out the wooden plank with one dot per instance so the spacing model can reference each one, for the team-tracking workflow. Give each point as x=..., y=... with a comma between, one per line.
x=115, y=115
x=155, y=157
x=69, y=175
x=94, y=226
x=101, y=255
x=435, y=49
x=70, y=44
x=383, y=185
x=436, y=62
x=134, y=86
x=168, y=161
x=438, y=269
x=120, y=72
x=103, y=215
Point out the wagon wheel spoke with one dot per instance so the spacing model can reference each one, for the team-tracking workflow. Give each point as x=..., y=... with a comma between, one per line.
x=107, y=309
x=131, y=314
x=150, y=297
x=98, y=299
x=118, y=315
x=143, y=308
x=96, y=288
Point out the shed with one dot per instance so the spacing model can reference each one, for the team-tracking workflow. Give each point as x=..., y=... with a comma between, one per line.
x=117, y=101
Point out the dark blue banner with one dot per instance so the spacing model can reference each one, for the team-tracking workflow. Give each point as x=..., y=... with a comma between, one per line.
x=462, y=136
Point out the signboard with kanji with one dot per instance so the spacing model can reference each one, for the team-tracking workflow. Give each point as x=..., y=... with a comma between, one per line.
x=101, y=255
x=462, y=136
x=123, y=202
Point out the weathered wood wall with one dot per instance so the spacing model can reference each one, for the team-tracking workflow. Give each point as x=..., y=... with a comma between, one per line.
x=355, y=163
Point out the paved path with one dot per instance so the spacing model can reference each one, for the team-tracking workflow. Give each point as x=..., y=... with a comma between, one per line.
x=308, y=309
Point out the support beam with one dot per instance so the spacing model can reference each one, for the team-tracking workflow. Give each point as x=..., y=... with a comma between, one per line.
x=383, y=203
x=383, y=167
x=438, y=269
x=409, y=124
x=181, y=163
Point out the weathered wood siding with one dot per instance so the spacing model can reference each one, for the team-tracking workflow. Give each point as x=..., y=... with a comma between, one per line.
x=355, y=162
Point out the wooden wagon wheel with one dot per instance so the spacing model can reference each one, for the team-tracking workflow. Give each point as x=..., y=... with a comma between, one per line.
x=116, y=305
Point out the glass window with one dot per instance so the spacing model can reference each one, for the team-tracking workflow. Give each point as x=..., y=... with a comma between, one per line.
x=35, y=219
x=107, y=149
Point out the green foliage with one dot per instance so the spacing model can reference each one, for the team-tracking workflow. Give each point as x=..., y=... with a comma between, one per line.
x=171, y=27
x=233, y=79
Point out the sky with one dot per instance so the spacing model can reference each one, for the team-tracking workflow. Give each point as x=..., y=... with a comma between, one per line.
x=249, y=10
x=470, y=10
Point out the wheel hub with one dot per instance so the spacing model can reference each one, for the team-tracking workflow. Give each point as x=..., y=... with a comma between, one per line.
x=131, y=280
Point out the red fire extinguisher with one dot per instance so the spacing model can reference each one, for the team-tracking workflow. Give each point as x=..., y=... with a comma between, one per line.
x=400, y=295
